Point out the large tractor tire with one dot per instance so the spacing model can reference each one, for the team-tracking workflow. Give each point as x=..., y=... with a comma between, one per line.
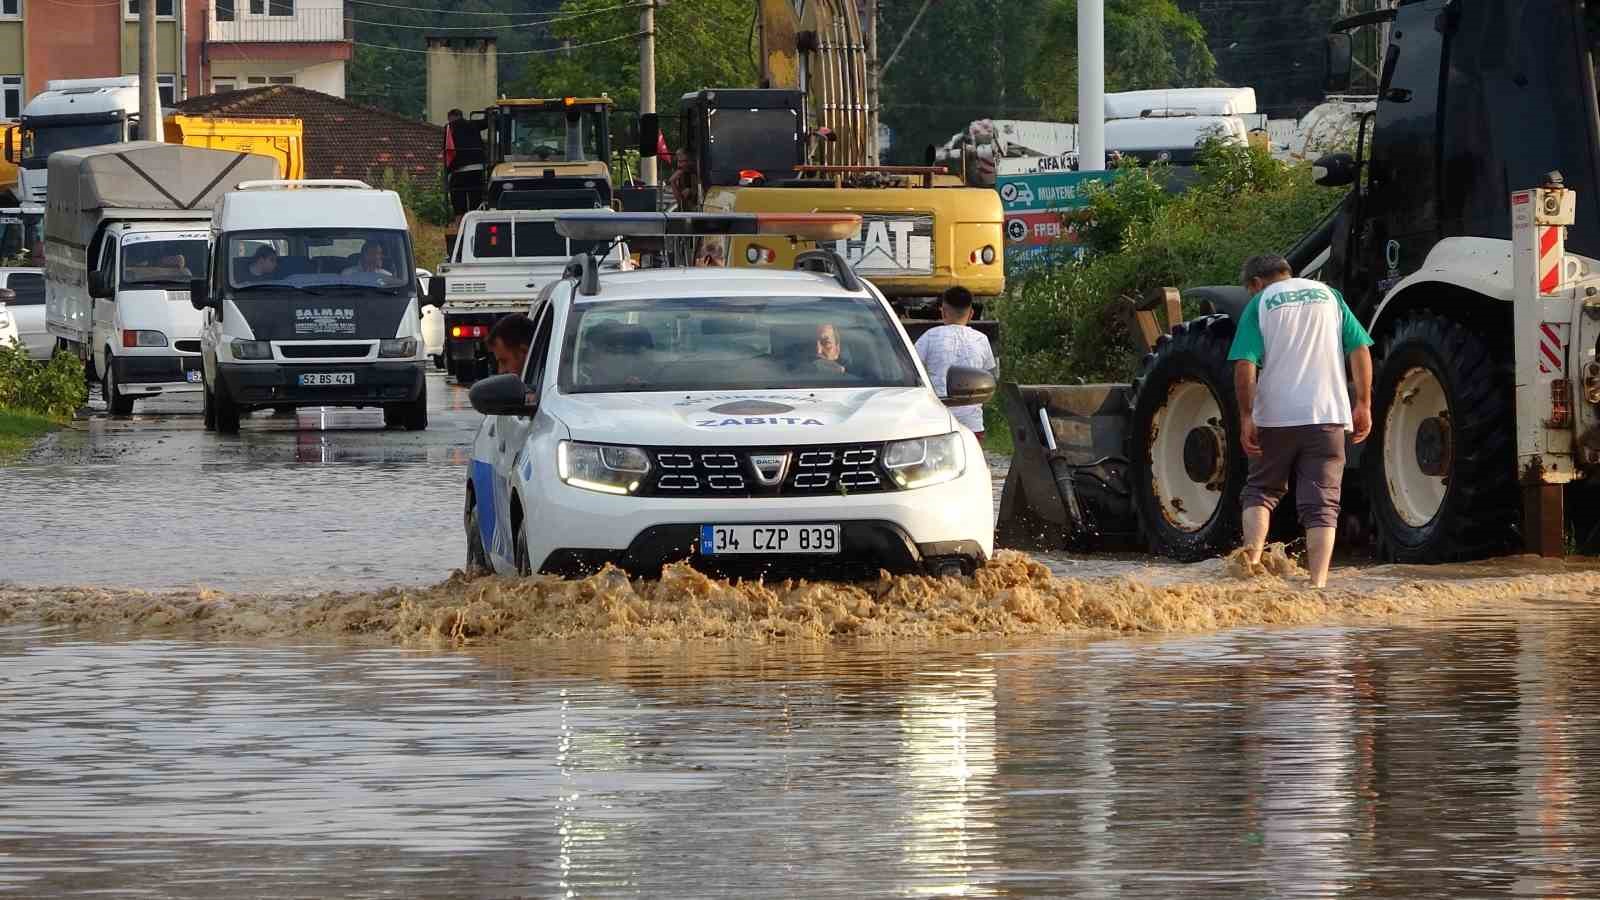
x=1440, y=466
x=1187, y=464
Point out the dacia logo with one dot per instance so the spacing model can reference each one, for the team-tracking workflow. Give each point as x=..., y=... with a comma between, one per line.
x=770, y=467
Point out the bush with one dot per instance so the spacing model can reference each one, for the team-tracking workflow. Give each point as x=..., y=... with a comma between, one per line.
x=426, y=198
x=1060, y=324
x=54, y=389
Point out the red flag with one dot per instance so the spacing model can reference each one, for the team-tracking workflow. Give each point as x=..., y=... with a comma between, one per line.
x=449, y=147
x=662, y=153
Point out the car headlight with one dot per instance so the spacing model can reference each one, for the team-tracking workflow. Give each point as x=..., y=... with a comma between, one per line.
x=921, y=462
x=401, y=348
x=601, y=467
x=251, y=350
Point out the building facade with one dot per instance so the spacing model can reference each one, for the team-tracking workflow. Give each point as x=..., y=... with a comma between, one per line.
x=201, y=45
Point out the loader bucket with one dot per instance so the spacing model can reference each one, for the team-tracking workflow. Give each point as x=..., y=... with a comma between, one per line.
x=1068, y=484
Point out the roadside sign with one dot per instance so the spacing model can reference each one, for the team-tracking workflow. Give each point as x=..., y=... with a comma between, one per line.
x=1034, y=203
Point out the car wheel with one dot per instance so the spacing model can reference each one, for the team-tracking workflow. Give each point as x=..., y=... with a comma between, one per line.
x=477, y=559
x=413, y=416
x=116, y=403
x=520, y=551
x=225, y=410
x=438, y=361
x=208, y=407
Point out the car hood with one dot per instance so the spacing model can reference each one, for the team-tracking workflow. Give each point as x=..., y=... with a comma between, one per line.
x=753, y=418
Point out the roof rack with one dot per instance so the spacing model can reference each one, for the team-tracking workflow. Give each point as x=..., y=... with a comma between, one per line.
x=586, y=268
x=592, y=225
x=277, y=184
x=829, y=262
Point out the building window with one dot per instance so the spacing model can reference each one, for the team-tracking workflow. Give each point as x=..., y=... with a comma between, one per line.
x=224, y=10
x=10, y=9
x=260, y=80
x=167, y=85
x=224, y=85
x=164, y=9
x=12, y=87
x=272, y=7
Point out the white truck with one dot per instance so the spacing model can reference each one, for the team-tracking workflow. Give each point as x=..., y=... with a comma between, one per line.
x=500, y=261
x=311, y=300
x=126, y=232
x=68, y=114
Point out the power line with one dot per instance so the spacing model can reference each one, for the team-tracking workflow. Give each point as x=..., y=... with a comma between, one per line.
x=501, y=26
x=544, y=52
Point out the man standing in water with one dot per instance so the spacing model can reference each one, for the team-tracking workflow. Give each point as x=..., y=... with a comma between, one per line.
x=1299, y=333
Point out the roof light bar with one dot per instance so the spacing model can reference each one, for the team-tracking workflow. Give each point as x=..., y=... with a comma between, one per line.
x=600, y=226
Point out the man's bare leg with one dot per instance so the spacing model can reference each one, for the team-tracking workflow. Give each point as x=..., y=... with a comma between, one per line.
x=1256, y=519
x=1319, y=554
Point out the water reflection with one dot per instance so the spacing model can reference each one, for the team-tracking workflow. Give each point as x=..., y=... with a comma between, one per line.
x=1441, y=761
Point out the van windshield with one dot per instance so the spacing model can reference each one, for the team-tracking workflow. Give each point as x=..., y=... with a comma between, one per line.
x=312, y=259
x=732, y=343
x=149, y=262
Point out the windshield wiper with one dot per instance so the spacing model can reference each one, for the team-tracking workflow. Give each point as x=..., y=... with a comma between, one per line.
x=277, y=286
x=349, y=286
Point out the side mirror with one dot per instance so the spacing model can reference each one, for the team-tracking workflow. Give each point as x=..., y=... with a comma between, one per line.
x=199, y=293
x=98, y=289
x=435, y=291
x=7, y=295
x=1335, y=170
x=968, y=387
x=503, y=395
x=1337, y=70
x=649, y=129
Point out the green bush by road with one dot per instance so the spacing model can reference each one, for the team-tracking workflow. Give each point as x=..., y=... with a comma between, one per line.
x=35, y=397
x=1060, y=326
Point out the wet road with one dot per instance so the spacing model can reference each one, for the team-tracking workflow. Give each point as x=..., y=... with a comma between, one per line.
x=325, y=499
x=1438, y=762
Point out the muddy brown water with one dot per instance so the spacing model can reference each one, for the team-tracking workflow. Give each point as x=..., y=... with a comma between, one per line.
x=1052, y=727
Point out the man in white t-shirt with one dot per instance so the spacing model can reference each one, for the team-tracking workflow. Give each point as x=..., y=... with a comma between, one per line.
x=955, y=343
x=1299, y=333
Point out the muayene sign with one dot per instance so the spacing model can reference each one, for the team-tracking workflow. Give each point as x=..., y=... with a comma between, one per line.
x=1034, y=204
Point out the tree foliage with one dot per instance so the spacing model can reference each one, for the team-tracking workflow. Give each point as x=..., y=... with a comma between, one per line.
x=1149, y=44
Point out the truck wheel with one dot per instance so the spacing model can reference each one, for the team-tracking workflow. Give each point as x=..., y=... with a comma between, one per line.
x=411, y=416
x=477, y=559
x=225, y=410
x=1440, y=466
x=438, y=361
x=208, y=407
x=1187, y=464
x=116, y=403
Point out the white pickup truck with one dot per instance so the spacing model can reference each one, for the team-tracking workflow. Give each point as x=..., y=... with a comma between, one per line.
x=500, y=262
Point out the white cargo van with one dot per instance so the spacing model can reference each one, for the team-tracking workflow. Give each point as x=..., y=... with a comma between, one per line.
x=125, y=233
x=311, y=300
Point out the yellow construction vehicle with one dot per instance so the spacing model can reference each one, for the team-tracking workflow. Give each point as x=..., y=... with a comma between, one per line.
x=803, y=143
x=555, y=144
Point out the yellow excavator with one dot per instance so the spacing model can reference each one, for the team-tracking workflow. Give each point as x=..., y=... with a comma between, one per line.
x=802, y=142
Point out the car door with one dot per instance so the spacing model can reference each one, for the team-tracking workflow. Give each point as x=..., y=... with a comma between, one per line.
x=104, y=313
x=512, y=461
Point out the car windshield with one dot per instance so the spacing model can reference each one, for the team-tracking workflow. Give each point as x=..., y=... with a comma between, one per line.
x=149, y=262
x=316, y=259
x=528, y=239
x=550, y=135
x=732, y=344
x=43, y=140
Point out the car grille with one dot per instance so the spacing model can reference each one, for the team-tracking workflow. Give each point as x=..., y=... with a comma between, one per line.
x=834, y=469
x=323, y=351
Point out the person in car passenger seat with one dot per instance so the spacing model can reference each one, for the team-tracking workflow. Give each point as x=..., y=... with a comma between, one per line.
x=509, y=340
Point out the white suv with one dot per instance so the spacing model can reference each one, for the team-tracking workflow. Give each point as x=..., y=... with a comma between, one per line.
x=745, y=420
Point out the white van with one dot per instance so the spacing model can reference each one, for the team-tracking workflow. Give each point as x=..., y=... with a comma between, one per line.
x=311, y=301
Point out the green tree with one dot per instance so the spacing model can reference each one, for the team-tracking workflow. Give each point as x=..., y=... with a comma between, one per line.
x=1149, y=44
x=699, y=44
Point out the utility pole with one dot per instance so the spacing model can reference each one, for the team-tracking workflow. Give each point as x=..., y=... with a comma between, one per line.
x=647, y=81
x=1091, y=85
x=874, y=84
x=149, y=92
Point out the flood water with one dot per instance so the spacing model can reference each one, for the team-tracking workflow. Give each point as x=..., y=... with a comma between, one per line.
x=1437, y=755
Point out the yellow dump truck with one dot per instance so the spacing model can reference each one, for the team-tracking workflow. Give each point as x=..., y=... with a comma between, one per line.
x=281, y=140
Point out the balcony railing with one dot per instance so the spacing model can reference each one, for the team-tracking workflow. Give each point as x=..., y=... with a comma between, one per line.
x=305, y=25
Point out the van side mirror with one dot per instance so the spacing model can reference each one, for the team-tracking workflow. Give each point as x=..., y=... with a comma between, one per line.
x=649, y=129
x=7, y=295
x=503, y=395
x=436, y=291
x=1335, y=170
x=1337, y=70
x=967, y=387
x=199, y=293
x=98, y=289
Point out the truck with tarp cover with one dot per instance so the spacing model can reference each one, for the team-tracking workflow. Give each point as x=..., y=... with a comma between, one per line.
x=126, y=228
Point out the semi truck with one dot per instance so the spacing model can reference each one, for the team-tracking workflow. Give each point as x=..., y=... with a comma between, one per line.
x=1468, y=244
x=126, y=232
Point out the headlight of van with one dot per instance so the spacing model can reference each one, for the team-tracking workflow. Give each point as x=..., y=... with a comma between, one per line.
x=400, y=348
x=251, y=349
x=921, y=462
x=598, y=467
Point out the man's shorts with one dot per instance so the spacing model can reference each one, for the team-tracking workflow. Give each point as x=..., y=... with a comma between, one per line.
x=1314, y=454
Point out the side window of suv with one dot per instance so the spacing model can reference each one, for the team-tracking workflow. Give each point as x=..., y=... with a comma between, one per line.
x=533, y=370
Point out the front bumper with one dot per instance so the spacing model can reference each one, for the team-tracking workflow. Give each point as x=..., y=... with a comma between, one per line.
x=277, y=384
x=866, y=548
x=139, y=375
